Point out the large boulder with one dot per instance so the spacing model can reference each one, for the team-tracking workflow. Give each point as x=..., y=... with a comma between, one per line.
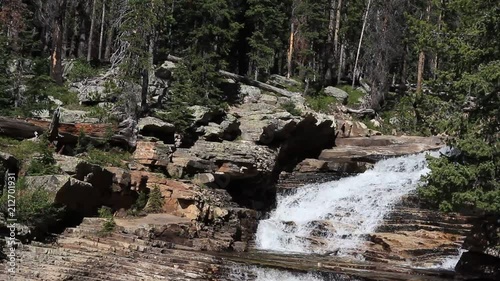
x=203, y=115
x=234, y=159
x=75, y=116
x=8, y=163
x=75, y=195
x=483, y=245
x=153, y=153
x=282, y=81
x=228, y=129
x=154, y=127
x=180, y=198
x=337, y=93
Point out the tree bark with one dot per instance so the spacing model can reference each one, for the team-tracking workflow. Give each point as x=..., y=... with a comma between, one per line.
x=421, y=58
x=91, y=34
x=56, y=70
x=420, y=71
x=290, y=51
x=341, y=63
x=360, y=42
x=337, y=28
x=102, y=29
x=330, y=53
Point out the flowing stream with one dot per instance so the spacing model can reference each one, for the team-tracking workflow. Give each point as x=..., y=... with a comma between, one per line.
x=336, y=216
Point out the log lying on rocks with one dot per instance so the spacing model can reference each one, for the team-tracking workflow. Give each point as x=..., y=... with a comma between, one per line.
x=260, y=85
x=246, y=80
x=364, y=111
x=123, y=134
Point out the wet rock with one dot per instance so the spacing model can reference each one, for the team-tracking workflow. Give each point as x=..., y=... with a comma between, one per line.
x=483, y=243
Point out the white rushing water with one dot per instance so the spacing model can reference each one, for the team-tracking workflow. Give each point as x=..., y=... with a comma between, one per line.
x=243, y=273
x=335, y=216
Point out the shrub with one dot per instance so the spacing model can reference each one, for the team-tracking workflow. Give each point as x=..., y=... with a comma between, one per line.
x=37, y=153
x=354, y=94
x=139, y=204
x=82, y=70
x=155, y=202
x=109, y=224
x=320, y=102
x=114, y=157
x=291, y=108
x=34, y=207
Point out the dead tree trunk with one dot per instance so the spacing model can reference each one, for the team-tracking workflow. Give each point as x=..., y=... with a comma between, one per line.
x=91, y=35
x=123, y=135
x=101, y=36
x=360, y=42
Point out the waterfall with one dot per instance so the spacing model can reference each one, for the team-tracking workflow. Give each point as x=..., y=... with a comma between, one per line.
x=335, y=217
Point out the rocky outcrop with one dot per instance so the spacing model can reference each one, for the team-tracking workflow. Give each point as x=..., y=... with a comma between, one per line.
x=152, y=154
x=353, y=155
x=375, y=148
x=418, y=236
x=154, y=127
x=77, y=196
x=238, y=159
x=483, y=245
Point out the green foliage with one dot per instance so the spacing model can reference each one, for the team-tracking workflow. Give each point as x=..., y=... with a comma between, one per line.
x=37, y=154
x=320, y=102
x=469, y=179
x=109, y=224
x=155, y=202
x=114, y=157
x=291, y=108
x=81, y=70
x=139, y=204
x=84, y=143
x=102, y=113
x=354, y=94
x=34, y=207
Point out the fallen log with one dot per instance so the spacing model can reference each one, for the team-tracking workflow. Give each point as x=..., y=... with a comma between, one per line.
x=246, y=80
x=123, y=134
x=364, y=111
x=260, y=85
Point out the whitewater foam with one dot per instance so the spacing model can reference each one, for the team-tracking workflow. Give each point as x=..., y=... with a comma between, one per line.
x=336, y=216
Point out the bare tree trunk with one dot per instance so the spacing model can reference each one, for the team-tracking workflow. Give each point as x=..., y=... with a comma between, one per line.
x=290, y=51
x=330, y=53
x=421, y=58
x=341, y=63
x=109, y=44
x=420, y=71
x=56, y=70
x=102, y=29
x=337, y=28
x=91, y=35
x=360, y=42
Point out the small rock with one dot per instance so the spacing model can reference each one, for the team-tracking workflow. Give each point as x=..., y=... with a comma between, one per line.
x=375, y=123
